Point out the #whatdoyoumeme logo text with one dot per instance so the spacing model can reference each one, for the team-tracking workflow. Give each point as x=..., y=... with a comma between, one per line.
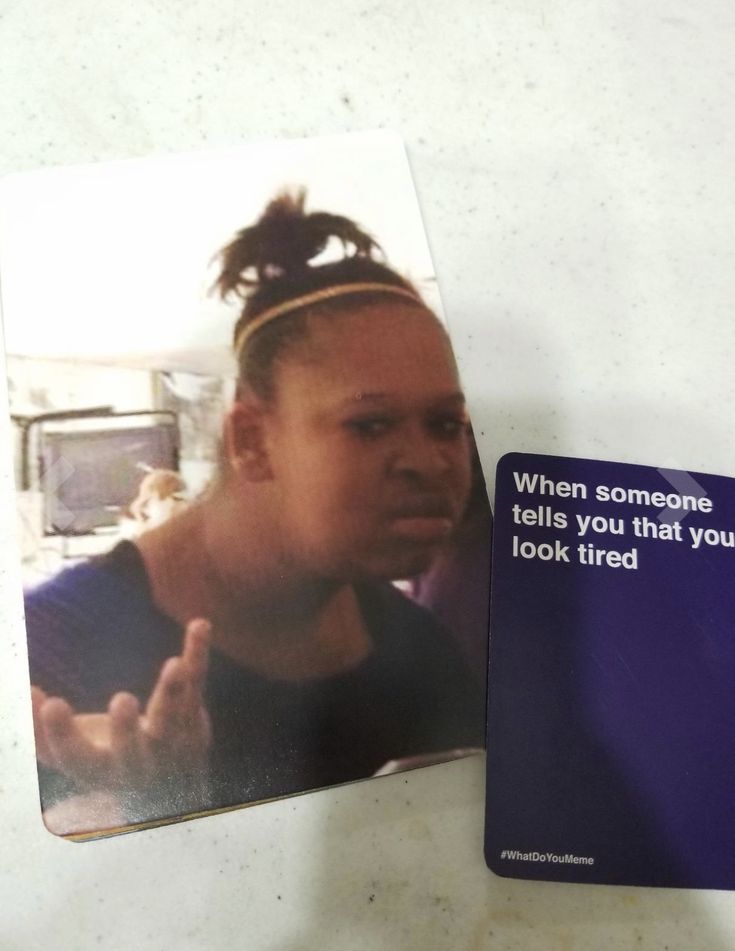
x=515, y=855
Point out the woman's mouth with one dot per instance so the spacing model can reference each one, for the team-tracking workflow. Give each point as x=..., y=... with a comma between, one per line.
x=423, y=528
x=431, y=521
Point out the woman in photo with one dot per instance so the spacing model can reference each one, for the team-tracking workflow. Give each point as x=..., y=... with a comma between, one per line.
x=253, y=645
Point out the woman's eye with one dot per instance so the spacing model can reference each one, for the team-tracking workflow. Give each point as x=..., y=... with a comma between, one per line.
x=371, y=427
x=448, y=427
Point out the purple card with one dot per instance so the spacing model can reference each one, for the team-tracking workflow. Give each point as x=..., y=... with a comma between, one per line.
x=611, y=714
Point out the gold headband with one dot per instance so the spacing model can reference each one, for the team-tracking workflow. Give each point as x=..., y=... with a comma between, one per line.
x=326, y=293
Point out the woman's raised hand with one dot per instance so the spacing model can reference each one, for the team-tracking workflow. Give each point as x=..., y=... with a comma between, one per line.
x=130, y=752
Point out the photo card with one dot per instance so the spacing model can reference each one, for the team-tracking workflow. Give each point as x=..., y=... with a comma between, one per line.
x=253, y=528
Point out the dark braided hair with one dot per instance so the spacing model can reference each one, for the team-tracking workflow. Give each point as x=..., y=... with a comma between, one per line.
x=268, y=264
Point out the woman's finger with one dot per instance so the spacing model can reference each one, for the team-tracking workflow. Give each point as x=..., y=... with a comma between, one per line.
x=175, y=709
x=195, y=653
x=128, y=749
x=73, y=754
x=167, y=706
x=43, y=750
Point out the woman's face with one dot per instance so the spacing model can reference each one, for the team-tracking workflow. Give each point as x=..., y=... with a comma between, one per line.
x=367, y=444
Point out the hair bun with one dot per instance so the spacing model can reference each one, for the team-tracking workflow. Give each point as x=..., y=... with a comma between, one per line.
x=282, y=243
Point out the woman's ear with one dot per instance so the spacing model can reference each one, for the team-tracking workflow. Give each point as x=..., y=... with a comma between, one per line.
x=244, y=440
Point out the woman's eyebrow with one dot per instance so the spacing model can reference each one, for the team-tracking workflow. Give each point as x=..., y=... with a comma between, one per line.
x=358, y=399
x=455, y=399
x=366, y=398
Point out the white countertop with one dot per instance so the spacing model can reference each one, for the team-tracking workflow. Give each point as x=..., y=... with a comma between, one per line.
x=574, y=164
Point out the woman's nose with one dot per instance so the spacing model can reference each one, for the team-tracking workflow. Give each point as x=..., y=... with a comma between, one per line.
x=419, y=453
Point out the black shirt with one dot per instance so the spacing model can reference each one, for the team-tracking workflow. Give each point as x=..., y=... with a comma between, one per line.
x=94, y=630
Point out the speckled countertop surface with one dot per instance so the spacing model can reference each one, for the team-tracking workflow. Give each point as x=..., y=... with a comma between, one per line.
x=574, y=164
